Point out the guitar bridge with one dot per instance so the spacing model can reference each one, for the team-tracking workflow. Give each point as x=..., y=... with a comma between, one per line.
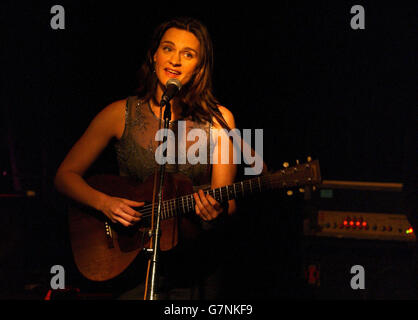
x=109, y=235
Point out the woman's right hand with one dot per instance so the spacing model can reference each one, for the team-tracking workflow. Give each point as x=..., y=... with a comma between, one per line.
x=119, y=210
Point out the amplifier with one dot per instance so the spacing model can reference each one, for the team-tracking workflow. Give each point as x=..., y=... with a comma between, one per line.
x=359, y=210
x=361, y=225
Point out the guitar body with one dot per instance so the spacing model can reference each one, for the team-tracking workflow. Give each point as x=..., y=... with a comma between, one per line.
x=101, y=249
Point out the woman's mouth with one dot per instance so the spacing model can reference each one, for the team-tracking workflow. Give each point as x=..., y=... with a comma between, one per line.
x=172, y=73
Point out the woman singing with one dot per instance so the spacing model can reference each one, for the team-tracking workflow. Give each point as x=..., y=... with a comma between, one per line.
x=181, y=49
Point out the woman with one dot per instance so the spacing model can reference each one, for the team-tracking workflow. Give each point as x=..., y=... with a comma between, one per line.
x=181, y=49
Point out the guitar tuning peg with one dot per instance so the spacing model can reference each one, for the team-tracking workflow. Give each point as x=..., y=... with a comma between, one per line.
x=289, y=193
x=285, y=164
x=297, y=161
x=309, y=159
x=301, y=190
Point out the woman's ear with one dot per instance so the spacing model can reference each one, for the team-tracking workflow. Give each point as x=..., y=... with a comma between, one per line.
x=152, y=62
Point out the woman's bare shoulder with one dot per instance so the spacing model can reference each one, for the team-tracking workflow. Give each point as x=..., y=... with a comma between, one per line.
x=113, y=116
x=227, y=115
x=116, y=107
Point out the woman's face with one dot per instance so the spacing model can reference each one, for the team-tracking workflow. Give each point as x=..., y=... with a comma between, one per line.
x=177, y=56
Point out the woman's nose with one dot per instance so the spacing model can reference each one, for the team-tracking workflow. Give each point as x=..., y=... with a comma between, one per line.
x=175, y=59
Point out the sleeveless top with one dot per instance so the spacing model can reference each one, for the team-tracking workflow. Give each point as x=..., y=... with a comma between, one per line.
x=136, y=149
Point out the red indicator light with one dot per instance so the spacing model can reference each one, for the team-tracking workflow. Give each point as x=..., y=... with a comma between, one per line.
x=357, y=223
x=345, y=222
x=351, y=223
x=364, y=223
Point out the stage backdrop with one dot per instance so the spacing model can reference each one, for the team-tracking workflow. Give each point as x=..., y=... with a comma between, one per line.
x=299, y=71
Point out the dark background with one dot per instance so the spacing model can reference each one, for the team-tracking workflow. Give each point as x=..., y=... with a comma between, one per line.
x=296, y=69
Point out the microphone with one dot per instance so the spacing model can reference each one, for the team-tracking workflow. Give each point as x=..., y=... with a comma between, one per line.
x=173, y=86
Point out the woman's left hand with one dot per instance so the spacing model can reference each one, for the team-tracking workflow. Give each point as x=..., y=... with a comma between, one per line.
x=206, y=206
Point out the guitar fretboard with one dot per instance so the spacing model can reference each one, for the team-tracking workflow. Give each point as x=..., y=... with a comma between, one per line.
x=187, y=203
x=304, y=174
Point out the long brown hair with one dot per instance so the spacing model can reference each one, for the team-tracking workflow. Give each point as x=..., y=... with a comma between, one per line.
x=196, y=97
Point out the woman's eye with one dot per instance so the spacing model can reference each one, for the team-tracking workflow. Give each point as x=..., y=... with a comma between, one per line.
x=167, y=49
x=188, y=55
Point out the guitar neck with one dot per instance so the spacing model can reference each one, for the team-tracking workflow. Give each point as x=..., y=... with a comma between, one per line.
x=290, y=177
x=186, y=204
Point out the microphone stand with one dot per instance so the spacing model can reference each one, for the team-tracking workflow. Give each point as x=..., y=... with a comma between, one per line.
x=153, y=293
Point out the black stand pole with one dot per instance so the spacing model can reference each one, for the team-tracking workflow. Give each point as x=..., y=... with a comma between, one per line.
x=153, y=292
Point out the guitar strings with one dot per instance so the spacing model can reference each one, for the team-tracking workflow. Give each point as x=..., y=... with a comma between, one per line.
x=173, y=204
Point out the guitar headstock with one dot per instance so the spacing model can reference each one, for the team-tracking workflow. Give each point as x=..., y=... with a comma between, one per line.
x=307, y=173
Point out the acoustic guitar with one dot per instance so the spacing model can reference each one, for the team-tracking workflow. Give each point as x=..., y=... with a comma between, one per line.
x=102, y=250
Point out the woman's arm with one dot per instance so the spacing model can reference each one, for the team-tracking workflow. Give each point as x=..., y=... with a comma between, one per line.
x=69, y=180
x=222, y=174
